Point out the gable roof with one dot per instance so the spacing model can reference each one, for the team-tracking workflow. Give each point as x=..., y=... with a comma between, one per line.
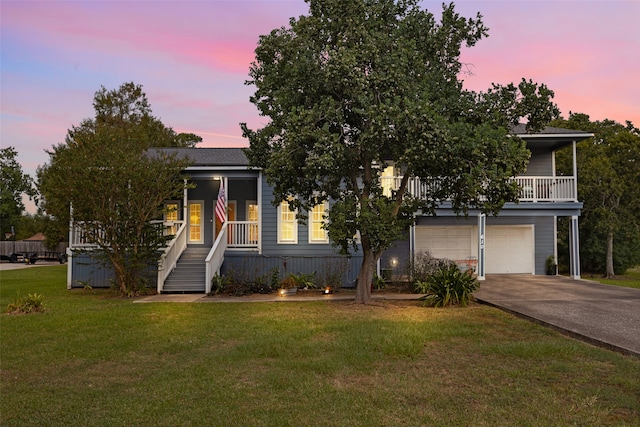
x=549, y=137
x=208, y=156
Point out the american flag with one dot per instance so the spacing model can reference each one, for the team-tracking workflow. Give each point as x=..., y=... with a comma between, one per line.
x=221, y=210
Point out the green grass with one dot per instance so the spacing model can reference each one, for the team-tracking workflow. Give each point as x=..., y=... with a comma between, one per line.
x=631, y=279
x=95, y=360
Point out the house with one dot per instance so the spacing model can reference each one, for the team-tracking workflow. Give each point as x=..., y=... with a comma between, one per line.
x=260, y=239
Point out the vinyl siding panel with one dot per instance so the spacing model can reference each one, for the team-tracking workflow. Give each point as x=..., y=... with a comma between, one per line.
x=88, y=269
x=540, y=163
x=332, y=270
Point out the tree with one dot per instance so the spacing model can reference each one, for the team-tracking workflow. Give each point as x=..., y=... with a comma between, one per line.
x=361, y=84
x=14, y=183
x=105, y=174
x=608, y=176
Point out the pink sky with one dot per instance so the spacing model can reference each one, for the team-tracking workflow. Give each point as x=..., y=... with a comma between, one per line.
x=192, y=58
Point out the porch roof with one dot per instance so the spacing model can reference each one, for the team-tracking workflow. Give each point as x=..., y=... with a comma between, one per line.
x=550, y=137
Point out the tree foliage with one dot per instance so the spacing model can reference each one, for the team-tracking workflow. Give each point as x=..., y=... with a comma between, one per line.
x=13, y=184
x=360, y=84
x=608, y=177
x=112, y=184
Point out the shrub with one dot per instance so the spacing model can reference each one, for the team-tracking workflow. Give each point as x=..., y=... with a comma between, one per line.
x=218, y=284
x=378, y=283
x=448, y=286
x=288, y=282
x=302, y=281
x=32, y=303
x=332, y=272
x=425, y=265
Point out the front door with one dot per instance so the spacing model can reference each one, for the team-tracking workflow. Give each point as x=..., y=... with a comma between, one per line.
x=195, y=222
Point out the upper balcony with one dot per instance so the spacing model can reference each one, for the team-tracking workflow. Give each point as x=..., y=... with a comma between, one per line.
x=532, y=188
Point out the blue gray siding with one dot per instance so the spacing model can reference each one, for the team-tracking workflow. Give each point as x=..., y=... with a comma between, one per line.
x=303, y=257
x=87, y=269
x=540, y=163
x=331, y=270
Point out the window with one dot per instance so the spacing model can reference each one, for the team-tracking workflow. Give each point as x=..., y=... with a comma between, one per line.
x=317, y=233
x=387, y=181
x=252, y=216
x=287, y=224
x=170, y=217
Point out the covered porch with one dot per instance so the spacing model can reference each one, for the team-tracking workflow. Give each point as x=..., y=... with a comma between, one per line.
x=218, y=213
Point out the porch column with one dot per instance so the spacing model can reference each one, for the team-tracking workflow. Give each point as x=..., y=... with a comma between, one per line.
x=69, y=251
x=259, y=202
x=184, y=202
x=574, y=248
x=575, y=172
x=482, y=221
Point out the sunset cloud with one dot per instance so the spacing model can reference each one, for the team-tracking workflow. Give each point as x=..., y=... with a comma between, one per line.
x=192, y=59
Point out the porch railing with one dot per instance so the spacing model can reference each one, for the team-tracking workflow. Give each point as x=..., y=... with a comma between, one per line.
x=82, y=236
x=242, y=234
x=533, y=188
x=215, y=257
x=171, y=253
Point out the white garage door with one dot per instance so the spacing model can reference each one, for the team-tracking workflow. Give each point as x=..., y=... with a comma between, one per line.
x=509, y=249
x=454, y=243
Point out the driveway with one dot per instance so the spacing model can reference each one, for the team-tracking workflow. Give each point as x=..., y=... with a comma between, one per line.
x=604, y=315
x=6, y=265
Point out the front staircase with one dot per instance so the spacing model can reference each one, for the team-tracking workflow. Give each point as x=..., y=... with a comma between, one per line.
x=189, y=275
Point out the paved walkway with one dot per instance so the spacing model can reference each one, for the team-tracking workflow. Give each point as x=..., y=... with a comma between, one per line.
x=608, y=316
x=604, y=315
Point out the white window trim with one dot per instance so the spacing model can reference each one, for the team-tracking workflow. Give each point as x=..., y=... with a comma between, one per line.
x=324, y=221
x=294, y=240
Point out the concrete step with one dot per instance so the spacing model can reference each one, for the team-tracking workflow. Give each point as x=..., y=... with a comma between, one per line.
x=189, y=274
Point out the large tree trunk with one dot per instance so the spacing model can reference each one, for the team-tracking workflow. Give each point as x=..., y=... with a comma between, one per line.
x=365, y=277
x=610, y=273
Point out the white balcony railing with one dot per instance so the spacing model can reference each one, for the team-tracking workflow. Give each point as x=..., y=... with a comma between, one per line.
x=547, y=188
x=81, y=236
x=533, y=188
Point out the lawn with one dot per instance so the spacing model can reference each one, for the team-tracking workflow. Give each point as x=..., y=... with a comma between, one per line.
x=94, y=360
x=630, y=279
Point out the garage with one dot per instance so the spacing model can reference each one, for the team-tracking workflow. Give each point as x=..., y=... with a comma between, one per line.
x=509, y=249
x=454, y=243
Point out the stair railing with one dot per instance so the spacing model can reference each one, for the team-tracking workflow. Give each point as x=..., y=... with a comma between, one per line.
x=215, y=258
x=170, y=255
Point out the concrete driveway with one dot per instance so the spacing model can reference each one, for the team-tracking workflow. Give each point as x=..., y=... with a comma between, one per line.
x=604, y=315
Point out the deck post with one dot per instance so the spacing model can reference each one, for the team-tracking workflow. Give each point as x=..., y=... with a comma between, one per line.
x=574, y=248
x=482, y=220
